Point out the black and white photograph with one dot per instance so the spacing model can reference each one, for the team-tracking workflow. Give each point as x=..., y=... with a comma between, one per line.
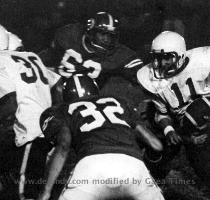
x=104, y=100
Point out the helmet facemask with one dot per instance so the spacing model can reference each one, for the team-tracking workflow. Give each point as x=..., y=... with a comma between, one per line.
x=166, y=64
x=103, y=40
x=102, y=33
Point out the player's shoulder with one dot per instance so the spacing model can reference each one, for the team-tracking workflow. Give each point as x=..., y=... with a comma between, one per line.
x=8, y=58
x=199, y=54
x=199, y=60
x=16, y=56
x=125, y=57
x=146, y=79
x=124, y=52
x=9, y=54
x=205, y=50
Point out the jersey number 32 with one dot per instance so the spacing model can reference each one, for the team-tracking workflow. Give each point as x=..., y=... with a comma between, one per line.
x=99, y=116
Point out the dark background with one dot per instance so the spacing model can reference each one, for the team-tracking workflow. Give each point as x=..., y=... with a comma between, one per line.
x=35, y=21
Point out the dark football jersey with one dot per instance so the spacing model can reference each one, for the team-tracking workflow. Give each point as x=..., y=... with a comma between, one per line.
x=122, y=61
x=97, y=124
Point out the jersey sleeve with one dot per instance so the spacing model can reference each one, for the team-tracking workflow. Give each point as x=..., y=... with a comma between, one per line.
x=122, y=57
x=131, y=65
x=51, y=121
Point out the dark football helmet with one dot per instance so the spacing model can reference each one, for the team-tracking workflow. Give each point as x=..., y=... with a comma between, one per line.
x=79, y=86
x=101, y=32
x=197, y=117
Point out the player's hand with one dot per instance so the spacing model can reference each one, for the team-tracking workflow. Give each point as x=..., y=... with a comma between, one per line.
x=172, y=138
x=43, y=196
x=199, y=140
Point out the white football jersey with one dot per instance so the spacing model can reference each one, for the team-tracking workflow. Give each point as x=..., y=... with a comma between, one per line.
x=176, y=92
x=25, y=74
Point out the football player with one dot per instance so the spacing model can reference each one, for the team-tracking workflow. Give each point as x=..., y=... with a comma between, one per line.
x=99, y=128
x=93, y=45
x=175, y=78
x=26, y=87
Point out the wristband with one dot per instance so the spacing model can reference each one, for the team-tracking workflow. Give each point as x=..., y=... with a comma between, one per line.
x=167, y=129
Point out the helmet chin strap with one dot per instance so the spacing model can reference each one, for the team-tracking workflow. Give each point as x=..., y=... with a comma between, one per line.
x=98, y=46
x=93, y=44
x=85, y=46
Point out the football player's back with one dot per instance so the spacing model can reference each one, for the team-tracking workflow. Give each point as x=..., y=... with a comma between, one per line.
x=102, y=125
x=24, y=74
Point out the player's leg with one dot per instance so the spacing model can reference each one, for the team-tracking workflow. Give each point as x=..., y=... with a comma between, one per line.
x=10, y=159
x=34, y=167
x=159, y=165
x=80, y=185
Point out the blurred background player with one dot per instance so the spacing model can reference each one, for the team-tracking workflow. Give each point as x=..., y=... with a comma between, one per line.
x=106, y=137
x=176, y=78
x=26, y=86
x=92, y=45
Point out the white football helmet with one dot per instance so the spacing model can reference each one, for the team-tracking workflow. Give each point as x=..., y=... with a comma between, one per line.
x=4, y=38
x=15, y=43
x=169, y=53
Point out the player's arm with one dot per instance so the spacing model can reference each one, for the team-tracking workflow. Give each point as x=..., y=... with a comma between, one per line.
x=57, y=92
x=145, y=136
x=131, y=68
x=164, y=121
x=56, y=162
x=57, y=132
x=130, y=63
x=136, y=119
x=55, y=82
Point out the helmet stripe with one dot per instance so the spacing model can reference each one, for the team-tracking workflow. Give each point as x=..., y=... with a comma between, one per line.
x=111, y=22
x=78, y=86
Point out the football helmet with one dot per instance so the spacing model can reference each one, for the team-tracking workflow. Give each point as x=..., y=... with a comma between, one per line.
x=4, y=38
x=101, y=32
x=168, y=54
x=79, y=86
x=196, y=118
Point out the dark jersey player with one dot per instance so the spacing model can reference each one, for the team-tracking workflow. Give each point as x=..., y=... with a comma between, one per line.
x=94, y=46
x=107, y=148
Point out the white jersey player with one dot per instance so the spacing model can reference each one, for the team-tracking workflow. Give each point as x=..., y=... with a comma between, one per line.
x=176, y=77
x=23, y=74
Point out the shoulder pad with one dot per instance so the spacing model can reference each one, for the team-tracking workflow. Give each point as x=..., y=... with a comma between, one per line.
x=146, y=79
